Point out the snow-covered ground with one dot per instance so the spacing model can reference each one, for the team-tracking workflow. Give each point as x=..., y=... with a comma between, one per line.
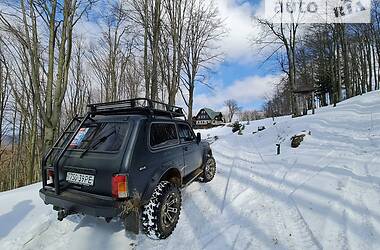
x=324, y=194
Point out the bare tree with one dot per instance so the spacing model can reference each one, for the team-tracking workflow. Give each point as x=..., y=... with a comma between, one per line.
x=232, y=107
x=172, y=44
x=148, y=16
x=112, y=54
x=203, y=29
x=250, y=115
x=79, y=89
x=284, y=35
x=4, y=97
x=42, y=75
x=60, y=19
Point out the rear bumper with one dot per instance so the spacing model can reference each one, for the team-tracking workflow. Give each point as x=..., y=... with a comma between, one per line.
x=79, y=202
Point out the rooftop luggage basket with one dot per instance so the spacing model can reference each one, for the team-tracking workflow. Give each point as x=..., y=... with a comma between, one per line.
x=137, y=105
x=49, y=164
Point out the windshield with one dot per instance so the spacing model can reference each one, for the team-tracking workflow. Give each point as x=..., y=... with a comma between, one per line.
x=100, y=136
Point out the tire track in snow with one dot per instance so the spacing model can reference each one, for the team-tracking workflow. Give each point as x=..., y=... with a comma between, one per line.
x=358, y=189
x=335, y=236
x=355, y=218
x=327, y=156
x=287, y=170
x=366, y=222
x=345, y=232
x=260, y=218
x=32, y=235
x=262, y=158
x=231, y=168
x=52, y=231
x=369, y=176
x=41, y=230
x=287, y=218
x=227, y=184
x=301, y=225
x=219, y=233
x=236, y=238
x=286, y=212
x=290, y=227
x=294, y=227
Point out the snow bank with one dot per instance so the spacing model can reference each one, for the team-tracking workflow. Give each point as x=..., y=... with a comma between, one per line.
x=324, y=194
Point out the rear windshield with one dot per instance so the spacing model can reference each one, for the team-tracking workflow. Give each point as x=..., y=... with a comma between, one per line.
x=100, y=136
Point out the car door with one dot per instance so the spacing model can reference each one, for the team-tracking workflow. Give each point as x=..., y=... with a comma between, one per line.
x=191, y=149
x=165, y=145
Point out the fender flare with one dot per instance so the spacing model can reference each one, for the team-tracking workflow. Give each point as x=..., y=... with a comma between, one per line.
x=156, y=178
x=206, y=152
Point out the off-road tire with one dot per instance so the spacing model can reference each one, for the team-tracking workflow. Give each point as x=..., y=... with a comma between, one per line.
x=209, y=170
x=158, y=216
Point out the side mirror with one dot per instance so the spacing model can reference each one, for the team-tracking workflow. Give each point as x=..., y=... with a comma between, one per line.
x=199, y=137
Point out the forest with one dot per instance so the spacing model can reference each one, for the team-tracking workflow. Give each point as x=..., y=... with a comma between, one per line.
x=336, y=60
x=158, y=49
x=49, y=72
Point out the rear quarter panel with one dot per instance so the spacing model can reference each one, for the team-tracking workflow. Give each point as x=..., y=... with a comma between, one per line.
x=148, y=166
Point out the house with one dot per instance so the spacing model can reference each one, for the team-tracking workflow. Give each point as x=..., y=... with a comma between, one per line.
x=208, y=118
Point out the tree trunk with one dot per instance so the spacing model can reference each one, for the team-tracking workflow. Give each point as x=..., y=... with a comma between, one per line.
x=190, y=104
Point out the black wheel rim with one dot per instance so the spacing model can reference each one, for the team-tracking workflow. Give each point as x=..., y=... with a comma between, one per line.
x=210, y=168
x=170, y=209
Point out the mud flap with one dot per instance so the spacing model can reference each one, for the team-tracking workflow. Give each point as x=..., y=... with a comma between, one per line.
x=131, y=213
x=132, y=222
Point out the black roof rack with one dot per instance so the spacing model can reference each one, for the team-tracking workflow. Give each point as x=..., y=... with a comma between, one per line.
x=136, y=106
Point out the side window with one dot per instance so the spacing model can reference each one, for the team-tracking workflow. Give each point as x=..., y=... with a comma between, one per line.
x=185, y=133
x=163, y=134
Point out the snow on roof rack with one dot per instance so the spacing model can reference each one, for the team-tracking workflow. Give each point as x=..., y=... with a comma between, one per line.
x=136, y=105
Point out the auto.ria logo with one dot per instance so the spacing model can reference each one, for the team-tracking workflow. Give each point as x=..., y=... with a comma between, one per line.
x=318, y=11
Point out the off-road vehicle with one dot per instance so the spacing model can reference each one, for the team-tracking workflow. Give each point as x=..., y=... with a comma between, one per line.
x=126, y=159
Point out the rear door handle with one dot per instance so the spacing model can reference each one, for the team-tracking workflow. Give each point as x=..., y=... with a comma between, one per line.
x=142, y=168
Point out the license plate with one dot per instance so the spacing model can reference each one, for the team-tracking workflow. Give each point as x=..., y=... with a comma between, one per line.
x=82, y=179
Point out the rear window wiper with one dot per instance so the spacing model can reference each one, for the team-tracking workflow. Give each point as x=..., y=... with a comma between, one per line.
x=101, y=140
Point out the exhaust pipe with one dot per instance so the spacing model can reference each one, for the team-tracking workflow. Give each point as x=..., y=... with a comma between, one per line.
x=63, y=213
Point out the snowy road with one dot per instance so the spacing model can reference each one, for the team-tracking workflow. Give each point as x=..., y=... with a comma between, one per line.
x=323, y=195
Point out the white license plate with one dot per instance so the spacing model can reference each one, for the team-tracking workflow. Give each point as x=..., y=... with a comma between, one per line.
x=82, y=179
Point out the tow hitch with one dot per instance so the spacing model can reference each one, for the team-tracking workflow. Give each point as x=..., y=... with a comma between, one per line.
x=63, y=213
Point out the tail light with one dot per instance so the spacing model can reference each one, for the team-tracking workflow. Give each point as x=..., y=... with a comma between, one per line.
x=50, y=176
x=119, y=186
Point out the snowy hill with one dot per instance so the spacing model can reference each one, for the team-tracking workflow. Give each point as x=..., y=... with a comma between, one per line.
x=324, y=194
